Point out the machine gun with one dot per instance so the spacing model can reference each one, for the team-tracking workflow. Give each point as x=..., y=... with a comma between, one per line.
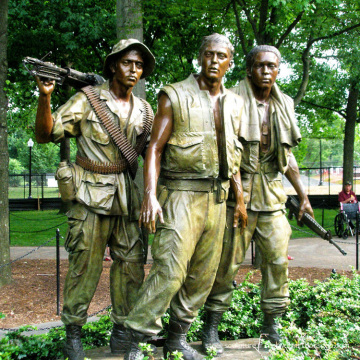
x=311, y=223
x=66, y=75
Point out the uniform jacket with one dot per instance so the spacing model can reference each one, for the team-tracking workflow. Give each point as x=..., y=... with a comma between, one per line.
x=192, y=151
x=262, y=176
x=110, y=194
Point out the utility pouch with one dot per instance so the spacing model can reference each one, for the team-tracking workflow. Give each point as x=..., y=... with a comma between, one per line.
x=162, y=194
x=65, y=178
x=222, y=191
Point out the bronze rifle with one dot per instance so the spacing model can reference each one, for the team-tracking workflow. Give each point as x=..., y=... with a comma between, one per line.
x=310, y=222
x=66, y=75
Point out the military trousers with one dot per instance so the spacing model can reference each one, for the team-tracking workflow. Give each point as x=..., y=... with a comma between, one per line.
x=86, y=241
x=186, y=253
x=271, y=232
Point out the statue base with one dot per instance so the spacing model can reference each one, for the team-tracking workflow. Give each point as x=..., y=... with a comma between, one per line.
x=249, y=349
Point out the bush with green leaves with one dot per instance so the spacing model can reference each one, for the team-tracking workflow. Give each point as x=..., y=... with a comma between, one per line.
x=17, y=345
x=323, y=322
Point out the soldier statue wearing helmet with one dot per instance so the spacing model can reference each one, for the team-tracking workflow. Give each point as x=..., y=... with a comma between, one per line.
x=100, y=188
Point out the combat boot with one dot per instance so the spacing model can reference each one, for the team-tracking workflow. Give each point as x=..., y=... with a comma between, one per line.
x=119, y=340
x=210, y=335
x=176, y=341
x=73, y=349
x=134, y=352
x=269, y=329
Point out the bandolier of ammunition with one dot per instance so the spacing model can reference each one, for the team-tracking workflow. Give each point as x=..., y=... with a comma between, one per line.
x=128, y=151
x=101, y=167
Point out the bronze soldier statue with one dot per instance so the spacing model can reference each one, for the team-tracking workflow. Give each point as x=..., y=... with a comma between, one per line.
x=268, y=132
x=194, y=155
x=104, y=198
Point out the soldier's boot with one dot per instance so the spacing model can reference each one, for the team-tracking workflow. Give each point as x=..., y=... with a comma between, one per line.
x=119, y=340
x=73, y=349
x=176, y=341
x=270, y=328
x=210, y=335
x=134, y=352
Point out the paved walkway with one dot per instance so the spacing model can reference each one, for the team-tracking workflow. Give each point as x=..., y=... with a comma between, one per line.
x=307, y=252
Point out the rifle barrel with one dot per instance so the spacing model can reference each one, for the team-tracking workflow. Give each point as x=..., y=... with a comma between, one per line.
x=313, y=224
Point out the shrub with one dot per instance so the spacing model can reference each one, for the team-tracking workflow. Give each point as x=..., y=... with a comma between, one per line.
x=323, y=322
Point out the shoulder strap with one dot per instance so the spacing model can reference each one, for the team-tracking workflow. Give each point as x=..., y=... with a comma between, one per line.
x=106, y=117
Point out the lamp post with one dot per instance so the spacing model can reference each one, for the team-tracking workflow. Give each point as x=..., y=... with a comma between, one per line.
x=30, y=145
x=321, y=178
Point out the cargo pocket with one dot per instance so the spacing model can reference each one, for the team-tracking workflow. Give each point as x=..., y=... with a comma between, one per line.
x=75, y=239
x=246, y=182
x=163, y=244
x=276, y=190
x=65, y=178
x=184, y=154
x=97, y=192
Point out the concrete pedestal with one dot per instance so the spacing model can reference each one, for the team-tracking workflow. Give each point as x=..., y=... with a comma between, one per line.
x=248, y=349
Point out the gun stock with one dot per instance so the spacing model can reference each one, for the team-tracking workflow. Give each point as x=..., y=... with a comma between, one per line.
x=311, y=223
x=68, y=76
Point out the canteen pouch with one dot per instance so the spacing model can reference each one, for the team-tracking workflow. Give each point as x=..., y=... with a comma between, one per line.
x=65, y=178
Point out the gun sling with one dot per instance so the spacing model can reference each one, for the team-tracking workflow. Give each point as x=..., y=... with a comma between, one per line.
x=104, y=114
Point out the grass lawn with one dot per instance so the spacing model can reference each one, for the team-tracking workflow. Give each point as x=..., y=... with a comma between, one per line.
x=329, y=216
x=18, y=192
x=34, y=228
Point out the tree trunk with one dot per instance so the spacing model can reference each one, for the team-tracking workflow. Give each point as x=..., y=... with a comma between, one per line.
x=349, y=138
x=5, y=271
x=129, y=24
x=306, y=74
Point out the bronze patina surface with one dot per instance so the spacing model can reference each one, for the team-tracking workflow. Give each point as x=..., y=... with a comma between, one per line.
x=104, y=200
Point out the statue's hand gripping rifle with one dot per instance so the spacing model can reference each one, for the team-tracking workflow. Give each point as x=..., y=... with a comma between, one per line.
x=311, y=223
x=68, y=76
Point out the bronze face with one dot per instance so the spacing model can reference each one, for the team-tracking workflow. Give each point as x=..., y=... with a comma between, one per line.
x=215, y=61
x=128, y=68
x=264, y=70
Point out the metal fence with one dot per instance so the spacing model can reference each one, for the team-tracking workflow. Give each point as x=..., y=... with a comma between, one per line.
x=318, y=181
x=323, y=181
x=41, y=186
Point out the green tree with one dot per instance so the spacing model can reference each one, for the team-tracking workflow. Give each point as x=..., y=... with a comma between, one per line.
x=335, y=94
x=173, y=30
x=5, y=271
x=303, y=30
x=77, y=36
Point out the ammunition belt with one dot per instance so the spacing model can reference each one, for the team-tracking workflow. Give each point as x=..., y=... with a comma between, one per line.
x=106, y=117
x=100, y=167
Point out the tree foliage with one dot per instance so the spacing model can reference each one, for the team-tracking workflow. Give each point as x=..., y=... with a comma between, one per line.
x=318, y=40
